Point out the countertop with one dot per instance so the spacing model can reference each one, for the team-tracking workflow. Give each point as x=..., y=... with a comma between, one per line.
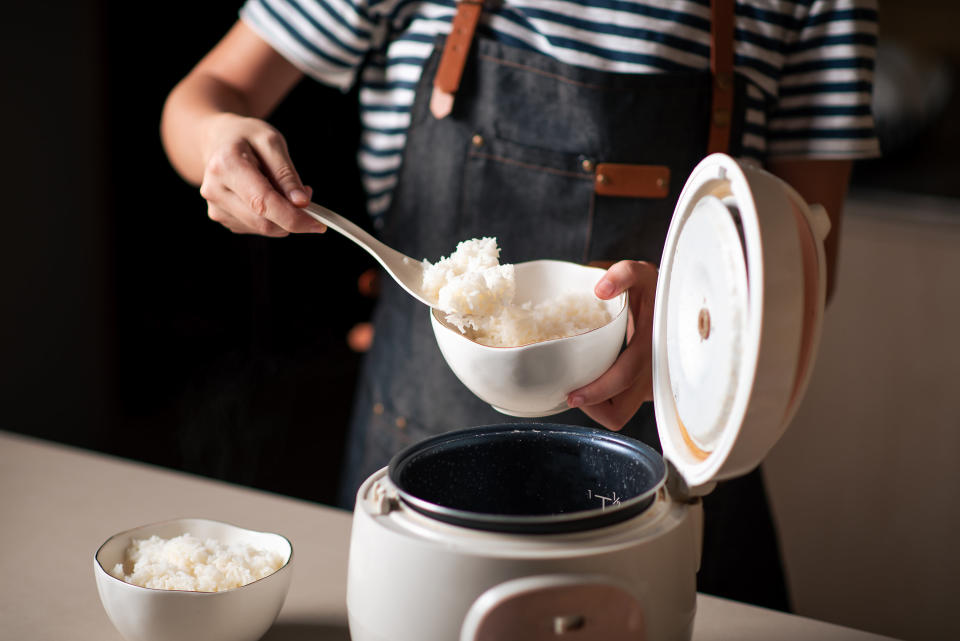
x=58, y=504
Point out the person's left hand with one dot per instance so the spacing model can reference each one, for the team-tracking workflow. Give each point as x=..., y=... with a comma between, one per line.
x=615, y=397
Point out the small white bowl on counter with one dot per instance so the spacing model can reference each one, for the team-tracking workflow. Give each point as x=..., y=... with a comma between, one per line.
x=147, y=614
x=534, y=379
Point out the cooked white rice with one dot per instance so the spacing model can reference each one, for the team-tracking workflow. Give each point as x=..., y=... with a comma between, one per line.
x=477, y=294
x=187, y=563
x=471, y=281
x=565, y=315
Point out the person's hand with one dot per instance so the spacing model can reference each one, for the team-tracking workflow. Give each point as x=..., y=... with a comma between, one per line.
x=615, y=397
x=249, y=181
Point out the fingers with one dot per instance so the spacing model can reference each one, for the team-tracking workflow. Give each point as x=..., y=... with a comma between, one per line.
x=627, y=275
x=615, y=412
x=252, y=187
x=640, y=279
x=630, y=366
x=222, y=210
x=277, y=165
x=615, y=396
x=228, y=202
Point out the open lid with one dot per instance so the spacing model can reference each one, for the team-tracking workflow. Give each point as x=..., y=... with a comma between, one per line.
x=737, y=318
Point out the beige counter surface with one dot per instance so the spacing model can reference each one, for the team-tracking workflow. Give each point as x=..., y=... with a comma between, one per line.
x=58, y=504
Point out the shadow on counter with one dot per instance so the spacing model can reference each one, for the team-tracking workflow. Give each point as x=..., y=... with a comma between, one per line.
x=303, y=631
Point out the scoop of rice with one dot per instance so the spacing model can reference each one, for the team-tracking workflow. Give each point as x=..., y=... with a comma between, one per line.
x=477, y=294
x=471, y=281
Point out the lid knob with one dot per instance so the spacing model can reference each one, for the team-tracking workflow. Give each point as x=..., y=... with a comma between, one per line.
x=703, y=323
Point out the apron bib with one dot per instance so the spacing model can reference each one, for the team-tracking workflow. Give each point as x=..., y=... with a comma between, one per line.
x=516, y=159
x=523, y=157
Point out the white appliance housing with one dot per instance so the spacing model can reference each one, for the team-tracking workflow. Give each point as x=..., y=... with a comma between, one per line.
x=737, y=319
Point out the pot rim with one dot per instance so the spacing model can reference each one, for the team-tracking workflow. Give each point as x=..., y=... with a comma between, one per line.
x=534, y=523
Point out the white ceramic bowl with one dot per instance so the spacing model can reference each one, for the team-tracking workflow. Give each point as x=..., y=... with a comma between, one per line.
x=534, y=380
x=147, y=614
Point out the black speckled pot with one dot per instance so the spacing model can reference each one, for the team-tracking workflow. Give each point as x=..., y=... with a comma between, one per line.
x=523, y=478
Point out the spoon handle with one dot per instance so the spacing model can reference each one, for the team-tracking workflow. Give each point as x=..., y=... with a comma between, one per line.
x=349, y=229
x=403, y=269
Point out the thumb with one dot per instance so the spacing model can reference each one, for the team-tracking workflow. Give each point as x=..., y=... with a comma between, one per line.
x=637, y=276
x=640, y=279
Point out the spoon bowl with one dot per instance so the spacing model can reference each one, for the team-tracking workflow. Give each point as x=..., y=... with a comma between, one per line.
x=407, y=271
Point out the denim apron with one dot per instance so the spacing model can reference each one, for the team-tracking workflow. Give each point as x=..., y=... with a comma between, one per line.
x=516, y=160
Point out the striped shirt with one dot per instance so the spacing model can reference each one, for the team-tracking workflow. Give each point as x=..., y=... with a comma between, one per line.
x=808, y=64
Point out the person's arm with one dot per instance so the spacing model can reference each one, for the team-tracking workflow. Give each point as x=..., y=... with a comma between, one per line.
x=215, y=136
x=822, y=182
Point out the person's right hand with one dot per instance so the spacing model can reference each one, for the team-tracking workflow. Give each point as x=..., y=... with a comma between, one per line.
x=249, y=181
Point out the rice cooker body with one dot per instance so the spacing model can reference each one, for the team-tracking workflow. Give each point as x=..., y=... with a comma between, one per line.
x=737, y=318
x=414, y=578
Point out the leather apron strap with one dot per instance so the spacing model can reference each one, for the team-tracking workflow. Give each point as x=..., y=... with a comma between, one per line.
x=721, y=68
x=454, y=58
x=643, y=181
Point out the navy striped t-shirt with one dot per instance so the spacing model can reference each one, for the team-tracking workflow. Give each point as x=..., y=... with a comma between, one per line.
x=809, y=64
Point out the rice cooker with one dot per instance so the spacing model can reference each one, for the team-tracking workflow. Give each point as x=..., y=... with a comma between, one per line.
x=534, y=532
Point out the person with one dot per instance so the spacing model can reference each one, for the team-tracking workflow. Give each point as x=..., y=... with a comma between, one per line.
x=508, y=119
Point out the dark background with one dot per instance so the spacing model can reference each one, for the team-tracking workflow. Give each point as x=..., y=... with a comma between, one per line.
x=133, y=325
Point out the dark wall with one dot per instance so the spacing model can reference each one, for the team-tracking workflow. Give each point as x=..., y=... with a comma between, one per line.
x=134, y=325
x=53, y=245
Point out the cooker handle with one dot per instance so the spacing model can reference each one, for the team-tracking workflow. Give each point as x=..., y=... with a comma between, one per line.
x=819, y=221
x=541, y=608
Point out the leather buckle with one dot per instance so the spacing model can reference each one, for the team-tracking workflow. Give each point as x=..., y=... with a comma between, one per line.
x=631, y=181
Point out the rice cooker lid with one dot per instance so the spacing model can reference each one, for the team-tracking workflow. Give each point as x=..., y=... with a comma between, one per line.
x=737, y=318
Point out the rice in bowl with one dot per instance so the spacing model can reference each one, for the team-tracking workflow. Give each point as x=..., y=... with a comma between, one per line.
x=477, y=294
x=186, y=562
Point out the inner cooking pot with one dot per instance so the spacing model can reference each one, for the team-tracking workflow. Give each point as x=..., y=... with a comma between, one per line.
x=528, y=478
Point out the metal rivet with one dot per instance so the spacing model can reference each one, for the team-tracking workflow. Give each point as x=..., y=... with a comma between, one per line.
x=401, y=422
x=602, y=179
x=477, y=140
x=568, y=623
x=378, y=409
x=587, y=165
x=661, y=183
